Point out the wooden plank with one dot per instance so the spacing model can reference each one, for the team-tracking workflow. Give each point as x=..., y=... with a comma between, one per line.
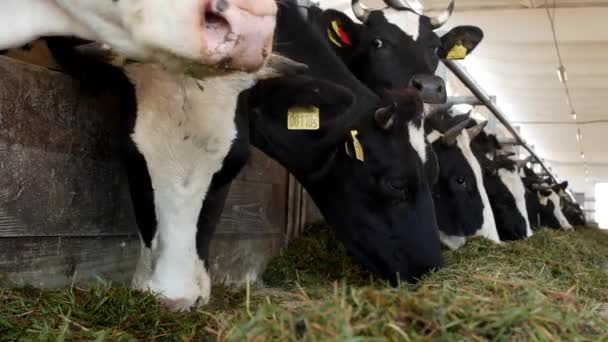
x=294, y=209
x=57, y=261
x=233, y=259
x=254, y=208
x=56, y=194
x=57, y=176
x=310, y=211
x=263, y=169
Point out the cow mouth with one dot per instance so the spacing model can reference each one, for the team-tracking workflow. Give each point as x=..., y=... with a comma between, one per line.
x=218, y=31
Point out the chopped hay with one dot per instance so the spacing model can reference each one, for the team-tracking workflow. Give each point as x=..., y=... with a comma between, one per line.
x=551, y=287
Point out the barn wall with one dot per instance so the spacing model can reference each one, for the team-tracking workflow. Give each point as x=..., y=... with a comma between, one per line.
x=65, y=211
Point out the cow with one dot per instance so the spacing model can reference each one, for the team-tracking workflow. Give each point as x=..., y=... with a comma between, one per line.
x=461, y=202
x=198, y=36
x=573, y=211
x=366, y=163
x=543, y=202
x=383, y=56
x=505, y=187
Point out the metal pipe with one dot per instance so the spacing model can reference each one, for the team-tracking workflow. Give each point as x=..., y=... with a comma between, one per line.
x=478, y=92
x=469, y=100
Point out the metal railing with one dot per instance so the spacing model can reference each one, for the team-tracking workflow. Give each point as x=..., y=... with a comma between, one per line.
x=463, y=75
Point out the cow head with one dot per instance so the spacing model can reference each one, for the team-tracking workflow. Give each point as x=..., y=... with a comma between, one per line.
x=233, y=34
x=505, y=188
x=573, y=212
x=461, y=202
x=383, y=56
x=365, y=164
x=549, y=202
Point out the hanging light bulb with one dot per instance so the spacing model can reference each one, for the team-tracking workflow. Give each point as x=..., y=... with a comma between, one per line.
x=579, y=135
x=573, y=115
x=583, y=155
x=561, y=74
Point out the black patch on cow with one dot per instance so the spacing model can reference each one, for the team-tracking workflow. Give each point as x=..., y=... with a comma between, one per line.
x=380, y=208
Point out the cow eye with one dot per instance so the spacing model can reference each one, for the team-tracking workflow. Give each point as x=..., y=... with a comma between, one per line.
x=396, y=184
x=377, y=43
x=461, y=181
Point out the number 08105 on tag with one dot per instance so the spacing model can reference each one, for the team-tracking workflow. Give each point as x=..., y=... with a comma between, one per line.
x=303, y=118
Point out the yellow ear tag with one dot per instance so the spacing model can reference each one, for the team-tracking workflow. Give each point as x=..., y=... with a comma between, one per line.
x=303, y=118
x=333, y=39
x=459, y=51
x=357, y=145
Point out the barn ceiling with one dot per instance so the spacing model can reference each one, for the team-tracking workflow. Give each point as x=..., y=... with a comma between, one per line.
x=517, y=62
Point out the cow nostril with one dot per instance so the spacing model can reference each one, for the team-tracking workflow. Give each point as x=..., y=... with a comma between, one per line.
x=440, y=89
x=417, y=85
x=221, y=5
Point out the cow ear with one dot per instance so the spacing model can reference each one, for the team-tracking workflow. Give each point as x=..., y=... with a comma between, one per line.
x=560, y=187
x=460, y=42
x=341, y=32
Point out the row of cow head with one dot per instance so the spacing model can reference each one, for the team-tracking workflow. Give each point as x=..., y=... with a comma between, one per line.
x=388, y=180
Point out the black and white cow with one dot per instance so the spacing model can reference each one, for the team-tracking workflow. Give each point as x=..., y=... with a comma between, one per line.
x=383, y=56
x=461, y=202
x=543, y=202
x=505, y=188
x=573, y=211
x=235, y=34
x=365, y=163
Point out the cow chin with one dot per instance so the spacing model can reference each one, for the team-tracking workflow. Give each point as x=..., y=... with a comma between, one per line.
x=402, y=249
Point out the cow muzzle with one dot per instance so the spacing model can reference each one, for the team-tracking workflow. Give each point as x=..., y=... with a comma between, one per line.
x=431, y=88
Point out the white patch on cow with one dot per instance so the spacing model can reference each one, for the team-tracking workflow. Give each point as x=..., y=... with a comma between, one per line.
x=434, y=136
x=488, y=227
x=184, y=129
x=544, y=200
x=145, y=263
x=411, y=24
x=452, y=242
x=515, y=185
x=557, y=211
x=24, y=21
x=417, y=140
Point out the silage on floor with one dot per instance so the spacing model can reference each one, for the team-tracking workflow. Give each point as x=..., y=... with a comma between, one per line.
x=551, y=287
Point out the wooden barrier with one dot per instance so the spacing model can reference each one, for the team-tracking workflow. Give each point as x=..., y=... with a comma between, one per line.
x=65, y=210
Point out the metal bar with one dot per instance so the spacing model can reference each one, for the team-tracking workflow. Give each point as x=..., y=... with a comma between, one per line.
x=478, y=92
x=470, y=100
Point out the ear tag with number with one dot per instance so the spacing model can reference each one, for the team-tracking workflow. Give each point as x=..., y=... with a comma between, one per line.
x=357, y=145
x=458, y=51
x=303, y=118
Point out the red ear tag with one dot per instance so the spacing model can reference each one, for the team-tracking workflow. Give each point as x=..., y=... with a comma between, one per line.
x=343, y=36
